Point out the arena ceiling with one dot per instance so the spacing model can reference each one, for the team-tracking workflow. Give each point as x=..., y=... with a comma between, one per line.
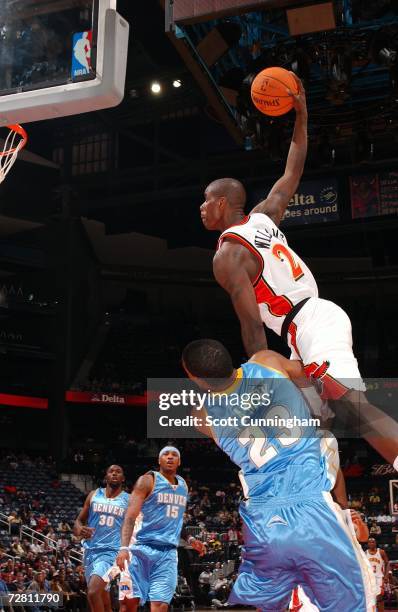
x=165, y=148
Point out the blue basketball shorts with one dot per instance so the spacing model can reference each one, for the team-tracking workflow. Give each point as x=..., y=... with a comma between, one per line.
x=300, y=541
x=153, y=573
x=98, y=563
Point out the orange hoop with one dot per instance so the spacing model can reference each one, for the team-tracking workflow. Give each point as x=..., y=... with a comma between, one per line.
x=14, y=142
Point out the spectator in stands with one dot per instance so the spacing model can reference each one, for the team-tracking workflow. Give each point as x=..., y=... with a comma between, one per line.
x=42, y=523
x=374, y=497
x=3, y=586
x=39, y=583
x=19, y=584
x=16, y=547
x=15, y=523
x=375, y=529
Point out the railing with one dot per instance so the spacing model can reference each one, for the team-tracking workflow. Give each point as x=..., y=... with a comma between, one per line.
x=4, y=521
x=193, y=531
x=33, y=535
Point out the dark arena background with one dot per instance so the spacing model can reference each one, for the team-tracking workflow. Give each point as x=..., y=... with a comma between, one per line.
x=106, y=268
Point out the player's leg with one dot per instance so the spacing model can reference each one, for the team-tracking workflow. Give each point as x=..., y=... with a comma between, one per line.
x=337, y=580
x=95, y=593
x=106, y=598
x=266, y=589
x=129, y=605
x=324, y=335
x=134, y=583
x=163, y=579
x=159, y=606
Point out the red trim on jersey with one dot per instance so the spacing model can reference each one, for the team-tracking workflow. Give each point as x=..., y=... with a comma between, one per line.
x=293, y=337
x=251, y=248
x=221, y=238
x=331, y=388
x=278, y=305
x=296, y=603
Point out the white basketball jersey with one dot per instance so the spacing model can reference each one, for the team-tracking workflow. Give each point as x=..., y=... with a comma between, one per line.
x=377, y=562
x=283, y=279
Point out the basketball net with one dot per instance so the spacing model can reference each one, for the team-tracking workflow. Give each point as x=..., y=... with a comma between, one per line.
x=15, y=141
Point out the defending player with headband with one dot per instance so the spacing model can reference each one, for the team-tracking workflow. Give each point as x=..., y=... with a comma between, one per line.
x=99, y=524
x=268, y=283
x=293, y=532
x=155, y=515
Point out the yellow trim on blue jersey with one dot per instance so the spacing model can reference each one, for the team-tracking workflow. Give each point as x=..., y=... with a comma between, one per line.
x=233, y=385
x=269, y=368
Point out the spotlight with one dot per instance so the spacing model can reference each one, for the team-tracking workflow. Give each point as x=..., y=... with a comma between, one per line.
x=156, y=87
x=177, y=83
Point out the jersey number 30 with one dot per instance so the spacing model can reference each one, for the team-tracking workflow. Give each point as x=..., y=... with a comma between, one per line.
x=106, y=520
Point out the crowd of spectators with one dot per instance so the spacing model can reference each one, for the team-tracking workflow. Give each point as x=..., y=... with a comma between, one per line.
x=50, y=558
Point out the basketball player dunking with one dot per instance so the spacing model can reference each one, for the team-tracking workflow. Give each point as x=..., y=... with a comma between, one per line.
x=99, y=524
x=379, y=562
x=268, y=283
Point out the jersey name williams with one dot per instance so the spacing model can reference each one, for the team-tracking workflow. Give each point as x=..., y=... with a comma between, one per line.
x=263, y=237
x=108, y=509
x=172, y=498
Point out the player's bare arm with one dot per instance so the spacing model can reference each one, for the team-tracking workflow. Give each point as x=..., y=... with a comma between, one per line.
x=339, y=491
x=142, y=489
x=293, y=368
x=80, y=529
x=361, y=529
x=386, y=563
x=234, y=268
x=281, y=193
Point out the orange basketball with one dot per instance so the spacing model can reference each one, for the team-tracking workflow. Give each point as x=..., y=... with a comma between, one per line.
x=269, y=91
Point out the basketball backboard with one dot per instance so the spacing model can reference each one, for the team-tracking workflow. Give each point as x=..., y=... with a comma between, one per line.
x=60, y=57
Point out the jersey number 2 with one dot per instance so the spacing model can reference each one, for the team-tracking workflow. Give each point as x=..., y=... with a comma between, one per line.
x=281, y=252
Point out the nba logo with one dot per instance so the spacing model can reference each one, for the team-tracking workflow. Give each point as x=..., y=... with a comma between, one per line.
x=81, y=54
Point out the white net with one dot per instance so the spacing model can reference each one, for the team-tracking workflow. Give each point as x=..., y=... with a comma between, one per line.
x=14, y=142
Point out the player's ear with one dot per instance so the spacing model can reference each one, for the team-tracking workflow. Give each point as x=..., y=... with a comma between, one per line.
x=222, y=203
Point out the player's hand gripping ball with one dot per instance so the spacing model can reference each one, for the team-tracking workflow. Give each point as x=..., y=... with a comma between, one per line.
x=273, y=91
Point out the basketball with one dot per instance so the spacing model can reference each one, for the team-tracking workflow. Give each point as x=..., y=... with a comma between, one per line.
x=269, y=91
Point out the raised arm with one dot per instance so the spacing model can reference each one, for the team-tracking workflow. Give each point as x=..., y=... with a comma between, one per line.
x=142, y=489
x=284, y=189
x=80, y=529
x=233, y=269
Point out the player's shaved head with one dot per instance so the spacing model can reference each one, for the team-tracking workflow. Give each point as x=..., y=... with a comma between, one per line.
x=231, y=189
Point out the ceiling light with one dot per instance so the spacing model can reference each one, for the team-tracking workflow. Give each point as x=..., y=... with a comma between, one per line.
x=156, y=88
x=177, y=83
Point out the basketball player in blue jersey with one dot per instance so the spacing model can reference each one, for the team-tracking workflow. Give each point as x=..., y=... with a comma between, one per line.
x=99, y=524
x=293, y=531
x=155, y=517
